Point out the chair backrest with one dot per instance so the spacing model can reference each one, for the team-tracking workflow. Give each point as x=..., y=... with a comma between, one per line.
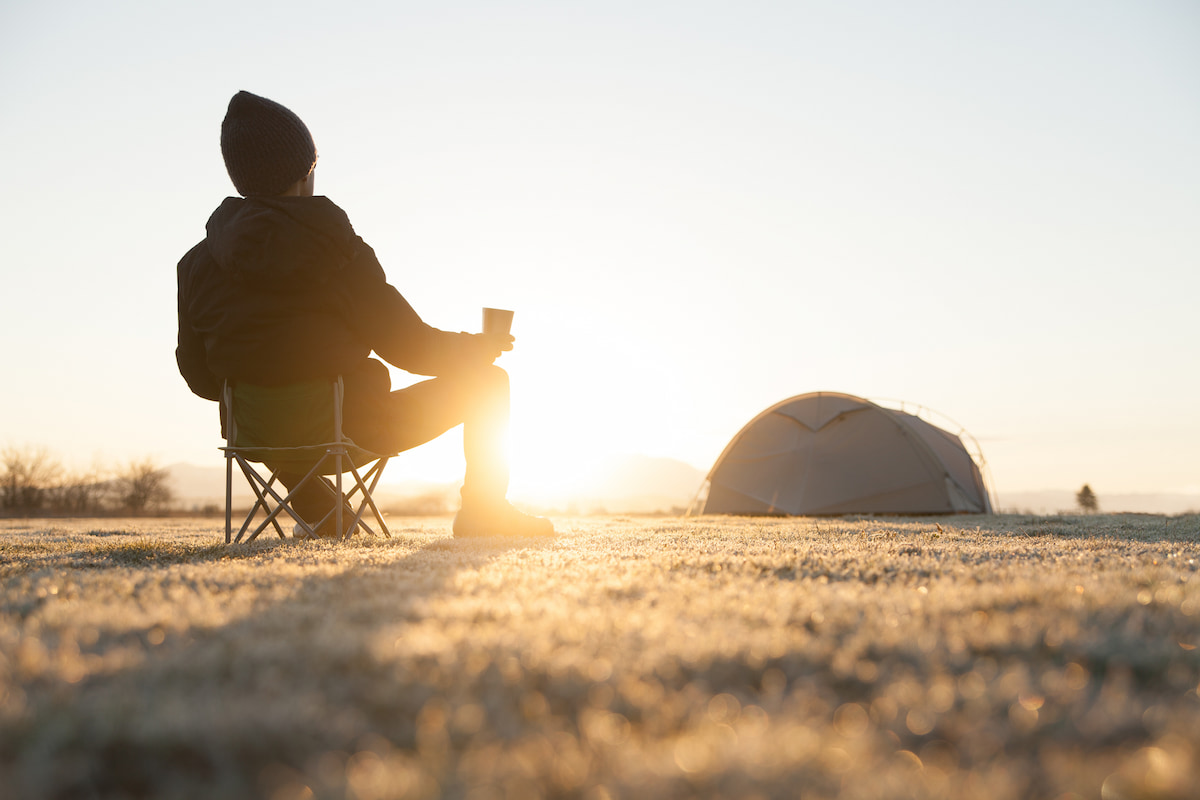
x=290, y=426
x=294, y=415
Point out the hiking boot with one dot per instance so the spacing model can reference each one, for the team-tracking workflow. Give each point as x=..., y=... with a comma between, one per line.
x=499, y=520
x=328, y=530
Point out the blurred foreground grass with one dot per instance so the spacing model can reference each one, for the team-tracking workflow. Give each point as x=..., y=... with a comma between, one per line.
x=966, y=657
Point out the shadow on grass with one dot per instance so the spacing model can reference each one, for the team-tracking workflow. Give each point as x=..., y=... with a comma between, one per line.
x=137, y=549
x=203, y=710
x=18, y=559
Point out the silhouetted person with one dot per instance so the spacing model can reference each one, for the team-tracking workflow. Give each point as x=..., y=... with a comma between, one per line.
x=283, y=291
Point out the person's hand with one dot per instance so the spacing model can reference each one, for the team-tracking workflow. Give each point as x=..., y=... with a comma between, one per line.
x=491, y=345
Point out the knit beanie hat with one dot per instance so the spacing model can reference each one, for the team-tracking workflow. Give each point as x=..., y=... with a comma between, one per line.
x=266, y=147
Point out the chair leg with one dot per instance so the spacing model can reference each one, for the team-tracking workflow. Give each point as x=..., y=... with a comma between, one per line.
x=273, y=503
x=373, y=475
x=255, y=480
x=272, y=514
x=337, y=497
x=265, y=493
x=229, y=497
x=361, y=484
x=284, y=503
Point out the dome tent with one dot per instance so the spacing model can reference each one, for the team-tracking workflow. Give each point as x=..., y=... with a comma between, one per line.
x=830, y=453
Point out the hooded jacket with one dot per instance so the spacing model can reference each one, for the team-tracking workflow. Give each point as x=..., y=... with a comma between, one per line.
x=282, y=290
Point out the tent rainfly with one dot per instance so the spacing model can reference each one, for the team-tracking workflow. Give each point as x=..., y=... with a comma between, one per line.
x=830, y=453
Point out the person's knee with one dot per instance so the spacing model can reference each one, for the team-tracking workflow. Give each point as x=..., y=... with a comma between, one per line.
x=486, y=379
x=485, y=390
x=494, y=379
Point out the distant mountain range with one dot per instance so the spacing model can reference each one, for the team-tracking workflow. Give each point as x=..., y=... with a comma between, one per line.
x=637, y=484
x=634, y=484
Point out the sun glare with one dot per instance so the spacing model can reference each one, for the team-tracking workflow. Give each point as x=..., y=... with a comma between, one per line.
x=558, y=442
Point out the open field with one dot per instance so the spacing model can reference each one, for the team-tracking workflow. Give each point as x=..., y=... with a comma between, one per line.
x=967, y=657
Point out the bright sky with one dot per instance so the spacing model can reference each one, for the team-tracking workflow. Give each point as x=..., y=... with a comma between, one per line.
x=697, y=210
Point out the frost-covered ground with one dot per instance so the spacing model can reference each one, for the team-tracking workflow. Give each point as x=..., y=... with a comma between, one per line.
x=966, y=657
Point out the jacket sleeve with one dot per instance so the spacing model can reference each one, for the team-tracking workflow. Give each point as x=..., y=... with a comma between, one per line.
x=386, y=321
x=190, y=354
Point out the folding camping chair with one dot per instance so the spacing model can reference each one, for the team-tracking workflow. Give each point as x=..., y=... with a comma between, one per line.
x=297, y=427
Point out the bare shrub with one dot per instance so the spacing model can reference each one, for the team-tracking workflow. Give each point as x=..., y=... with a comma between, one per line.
x=142, y=487
x=81, y=492
x=27, y=477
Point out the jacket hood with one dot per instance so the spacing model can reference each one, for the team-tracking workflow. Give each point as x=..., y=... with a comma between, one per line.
x=287, y=243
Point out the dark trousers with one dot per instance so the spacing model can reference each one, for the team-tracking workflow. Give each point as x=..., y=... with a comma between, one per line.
x=386, y=422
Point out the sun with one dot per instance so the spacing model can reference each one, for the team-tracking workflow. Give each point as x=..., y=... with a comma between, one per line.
x=554, y=450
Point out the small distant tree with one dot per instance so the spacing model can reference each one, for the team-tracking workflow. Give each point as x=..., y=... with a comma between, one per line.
x=1085, y=498
x=142, y=487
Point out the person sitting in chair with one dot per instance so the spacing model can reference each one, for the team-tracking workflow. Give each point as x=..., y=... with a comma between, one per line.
x=282, y=291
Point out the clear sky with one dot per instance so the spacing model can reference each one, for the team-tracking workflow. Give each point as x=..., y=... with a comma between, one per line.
x=697, y=209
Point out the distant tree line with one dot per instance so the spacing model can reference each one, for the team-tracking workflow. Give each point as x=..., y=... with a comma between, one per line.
x=33, y=482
